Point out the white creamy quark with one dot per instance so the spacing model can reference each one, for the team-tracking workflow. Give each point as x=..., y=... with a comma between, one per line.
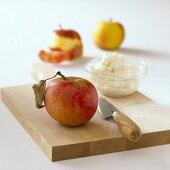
x=115, y=76
x=118, y=66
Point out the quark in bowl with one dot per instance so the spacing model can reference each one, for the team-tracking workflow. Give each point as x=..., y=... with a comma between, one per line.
x=116, y=76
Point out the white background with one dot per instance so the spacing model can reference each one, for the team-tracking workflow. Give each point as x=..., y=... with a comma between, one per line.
x=25, y=27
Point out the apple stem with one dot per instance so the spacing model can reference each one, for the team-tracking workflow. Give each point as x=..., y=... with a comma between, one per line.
x=60, y=26
x=58, y=73
x=110, y=19
x=63, y=77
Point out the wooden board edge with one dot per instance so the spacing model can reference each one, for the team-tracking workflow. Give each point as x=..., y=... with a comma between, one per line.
x=109, y=146
x=56, y=153
x=28, y=126
x=150, y=139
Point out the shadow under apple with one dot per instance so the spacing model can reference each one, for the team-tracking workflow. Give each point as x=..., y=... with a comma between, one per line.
x=142, y=52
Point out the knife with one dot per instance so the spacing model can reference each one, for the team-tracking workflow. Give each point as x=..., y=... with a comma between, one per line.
x=126, y=125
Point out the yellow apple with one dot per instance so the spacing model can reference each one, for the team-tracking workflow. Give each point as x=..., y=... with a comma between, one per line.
x=108, y=35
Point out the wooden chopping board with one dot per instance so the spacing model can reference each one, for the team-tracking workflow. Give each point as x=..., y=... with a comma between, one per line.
x=99, y=136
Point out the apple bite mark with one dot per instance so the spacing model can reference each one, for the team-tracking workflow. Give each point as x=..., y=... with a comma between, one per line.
x=64, y=43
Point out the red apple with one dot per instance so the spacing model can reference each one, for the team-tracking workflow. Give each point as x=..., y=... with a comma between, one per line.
x=65, y=45
x=72, y=101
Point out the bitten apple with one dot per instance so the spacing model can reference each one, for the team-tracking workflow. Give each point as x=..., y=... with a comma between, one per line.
x=72, y=101
x=108, y=35
x=65, y=45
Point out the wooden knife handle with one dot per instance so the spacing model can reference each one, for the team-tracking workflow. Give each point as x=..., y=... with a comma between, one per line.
x=127, y=126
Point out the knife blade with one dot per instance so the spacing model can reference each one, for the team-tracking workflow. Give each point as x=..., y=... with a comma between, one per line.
x=126, y=125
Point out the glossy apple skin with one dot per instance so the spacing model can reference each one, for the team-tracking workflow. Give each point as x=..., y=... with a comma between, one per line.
x=108, y=35
x=71, y=102
x=66, y=45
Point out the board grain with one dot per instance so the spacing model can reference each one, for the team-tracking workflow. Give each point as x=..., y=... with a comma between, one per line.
x=99, y=136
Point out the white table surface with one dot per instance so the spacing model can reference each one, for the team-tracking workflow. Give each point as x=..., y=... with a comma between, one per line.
x=25, y=27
